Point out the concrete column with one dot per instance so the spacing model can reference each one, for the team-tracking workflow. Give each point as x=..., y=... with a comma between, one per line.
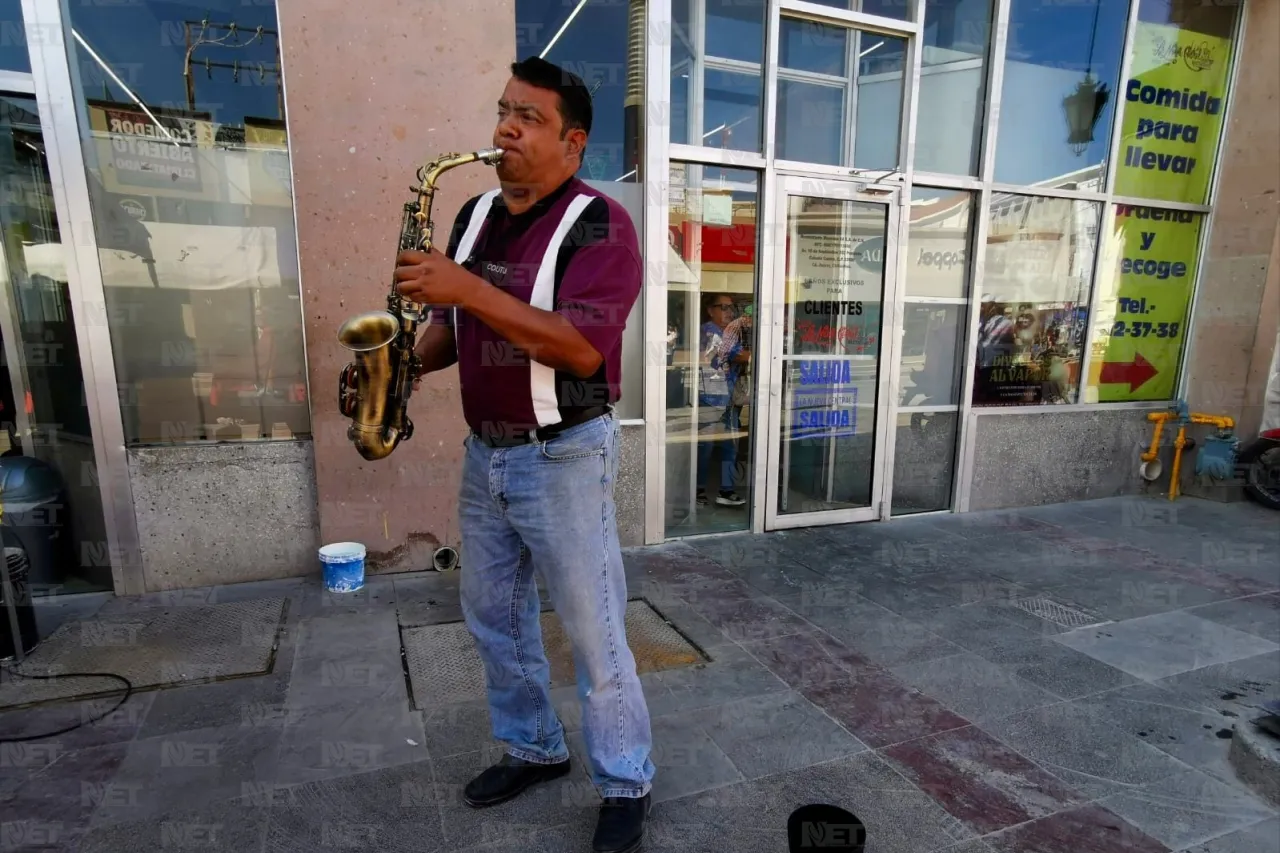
x=1234, y=311
x=374, y=89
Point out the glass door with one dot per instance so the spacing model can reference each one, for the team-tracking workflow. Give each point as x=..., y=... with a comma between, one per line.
x=832, y=294
x=53, y=519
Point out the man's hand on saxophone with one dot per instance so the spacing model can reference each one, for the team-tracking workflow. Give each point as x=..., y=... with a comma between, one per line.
x=432, y=278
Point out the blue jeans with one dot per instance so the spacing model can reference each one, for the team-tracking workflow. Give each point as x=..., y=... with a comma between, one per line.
x=548, y=507
x=712, y=419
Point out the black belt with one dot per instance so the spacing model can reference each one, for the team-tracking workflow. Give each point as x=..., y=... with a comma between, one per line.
x=510, y=437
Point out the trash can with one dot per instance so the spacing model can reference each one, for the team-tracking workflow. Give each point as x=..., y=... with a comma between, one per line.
x=16, y=567
x=35, y=518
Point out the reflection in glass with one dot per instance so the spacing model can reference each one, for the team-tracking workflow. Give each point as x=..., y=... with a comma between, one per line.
x=194, y=217
x=721, y=44
x=835, y=254
x=734, y=28
x=598, y=42
x=931, y=357
x=813, y=47
x=810, y=122
x=880, y=92
x=602, y=44
x=924, y=461
x=1141, y=313
x=13, y=38
x=731, y=111
x=1035, y=304
x=1059, y=94
x=48, y=470
x=953, y=76
x=711, y=289
x=938, y=258
x=1174, y=111
x=815, y=92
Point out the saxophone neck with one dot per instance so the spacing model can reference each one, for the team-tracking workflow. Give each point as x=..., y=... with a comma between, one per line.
x=431, y=172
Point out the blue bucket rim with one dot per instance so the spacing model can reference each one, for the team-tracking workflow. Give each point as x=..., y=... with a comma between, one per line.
x=349, y=552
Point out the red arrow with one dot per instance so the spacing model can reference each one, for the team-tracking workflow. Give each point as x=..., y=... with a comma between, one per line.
x=1135, y=373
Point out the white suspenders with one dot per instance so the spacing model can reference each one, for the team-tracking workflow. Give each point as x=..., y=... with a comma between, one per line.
x=542, y=379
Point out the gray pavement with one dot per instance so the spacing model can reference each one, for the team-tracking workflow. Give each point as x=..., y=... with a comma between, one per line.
x=1049, y=680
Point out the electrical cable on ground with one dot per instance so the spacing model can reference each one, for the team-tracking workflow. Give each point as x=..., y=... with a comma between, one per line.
x=10, y=604
x=128, y=691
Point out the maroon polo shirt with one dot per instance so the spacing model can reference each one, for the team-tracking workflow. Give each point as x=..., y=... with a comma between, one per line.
x=594, y=282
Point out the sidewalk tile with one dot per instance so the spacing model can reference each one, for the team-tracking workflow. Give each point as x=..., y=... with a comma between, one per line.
x=1154, y=647
x=1189, y=808
x=981, y=781
x=974, y=687
x=1089, y=828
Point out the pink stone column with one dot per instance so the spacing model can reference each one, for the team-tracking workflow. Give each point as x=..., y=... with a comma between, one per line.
x=374, y=89
x=1233, y=307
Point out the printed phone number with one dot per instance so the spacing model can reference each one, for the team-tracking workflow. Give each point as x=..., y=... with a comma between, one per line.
x=1143, y=329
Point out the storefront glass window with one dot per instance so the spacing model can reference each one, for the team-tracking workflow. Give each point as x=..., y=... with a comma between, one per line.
x=816, y=93
x=603, y=43
x=189, y=181
x=1141, y=313
x=1175, y=100
x=1035, y=301
x=53, y=518
x=924, y=461
x=712, y=287
x=938, y=244
x=953, y=90
x=13, y=38
x=936, y=287
x=717, y=83
x=1059, y=92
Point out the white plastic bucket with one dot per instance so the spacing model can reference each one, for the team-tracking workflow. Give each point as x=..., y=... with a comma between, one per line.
x=343, y=564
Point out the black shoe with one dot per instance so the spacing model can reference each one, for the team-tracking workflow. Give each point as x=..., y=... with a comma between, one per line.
x=507, y=778
x=728, y=497
x=620, y=828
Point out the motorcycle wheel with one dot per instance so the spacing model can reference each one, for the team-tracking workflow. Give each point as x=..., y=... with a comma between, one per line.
x=1260, y=460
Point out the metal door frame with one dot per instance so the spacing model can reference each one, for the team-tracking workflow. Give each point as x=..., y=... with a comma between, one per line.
x=773, y=296
x=63, y=119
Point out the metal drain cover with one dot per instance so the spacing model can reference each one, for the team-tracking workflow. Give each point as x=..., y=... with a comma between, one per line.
x=444, y=666
x=1058, y=613
x=155, y=647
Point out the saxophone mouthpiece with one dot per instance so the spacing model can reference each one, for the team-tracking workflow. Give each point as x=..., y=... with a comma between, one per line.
x=491, y=155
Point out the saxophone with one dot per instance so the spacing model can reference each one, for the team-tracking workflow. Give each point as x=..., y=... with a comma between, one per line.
x=374, y=389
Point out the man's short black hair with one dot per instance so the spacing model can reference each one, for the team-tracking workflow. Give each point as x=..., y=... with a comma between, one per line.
x=575, y=98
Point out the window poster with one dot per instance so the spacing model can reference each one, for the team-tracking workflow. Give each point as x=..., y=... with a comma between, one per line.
x=836, y=283
x=1034, y=308
x=1175, y=106
x=1145, y=285
x=824, y=399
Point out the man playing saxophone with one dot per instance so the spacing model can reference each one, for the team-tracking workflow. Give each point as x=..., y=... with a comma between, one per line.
x=530, y=301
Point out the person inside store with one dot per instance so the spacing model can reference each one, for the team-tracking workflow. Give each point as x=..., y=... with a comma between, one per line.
x=735, y=354
x=540, y=371
x=715, y=402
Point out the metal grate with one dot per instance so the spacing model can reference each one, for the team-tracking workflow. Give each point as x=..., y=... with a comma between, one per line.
x=443, y=664
x=155, y=647
x=1058, y=613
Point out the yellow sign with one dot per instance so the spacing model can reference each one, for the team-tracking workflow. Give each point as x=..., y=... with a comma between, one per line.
x=267, y=144
x=137, y=154
x=1175, y=105
x=1144, y=290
